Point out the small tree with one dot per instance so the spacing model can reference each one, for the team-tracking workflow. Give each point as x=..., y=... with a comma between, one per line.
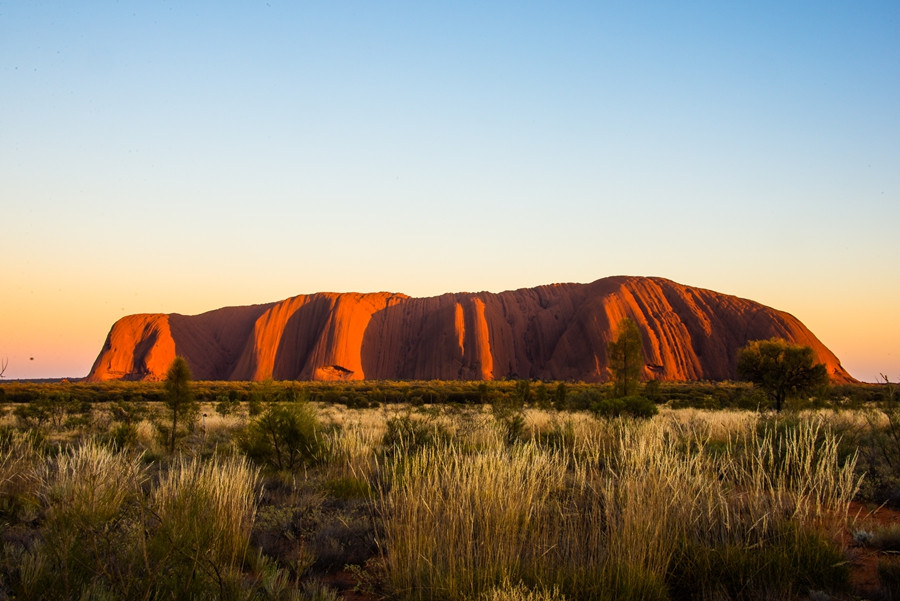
x=522, y=393
x=542, y=396
x=225, y=405
x=285, y=436
x=626, y=358
x=781, y=368
x=559, y=398
x=179, y=397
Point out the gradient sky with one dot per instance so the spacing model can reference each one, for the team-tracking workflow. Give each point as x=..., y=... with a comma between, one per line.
x=183, y=156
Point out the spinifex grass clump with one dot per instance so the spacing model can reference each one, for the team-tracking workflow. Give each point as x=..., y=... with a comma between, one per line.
x=91, y=498
x=652, y=517
x=104, y=530
x=782, y=496
x=458, y=524
x=19, y=453
x=203, y=514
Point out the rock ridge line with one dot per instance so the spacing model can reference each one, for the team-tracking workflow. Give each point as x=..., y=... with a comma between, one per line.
x=553, y=332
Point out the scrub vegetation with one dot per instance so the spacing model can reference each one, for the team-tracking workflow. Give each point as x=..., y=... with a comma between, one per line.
x=445, y=490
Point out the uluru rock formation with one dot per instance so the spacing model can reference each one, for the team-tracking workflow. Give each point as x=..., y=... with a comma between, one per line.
x=554, y=332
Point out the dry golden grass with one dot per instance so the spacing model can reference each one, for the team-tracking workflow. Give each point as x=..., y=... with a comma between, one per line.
x=17, y=460
x=609, y=520
x=210, y=505
x=571, y=507
x=89, y=482
x=456, y=523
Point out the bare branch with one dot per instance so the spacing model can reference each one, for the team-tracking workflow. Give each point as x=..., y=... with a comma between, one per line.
x=3, y=365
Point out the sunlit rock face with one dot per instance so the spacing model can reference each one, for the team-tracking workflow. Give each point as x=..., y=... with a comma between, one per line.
x=555, y=332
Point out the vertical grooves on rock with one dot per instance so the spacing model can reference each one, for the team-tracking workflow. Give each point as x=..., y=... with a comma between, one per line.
x=550, y=332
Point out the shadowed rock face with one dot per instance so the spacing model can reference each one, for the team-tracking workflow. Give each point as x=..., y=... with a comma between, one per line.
x=556, y=332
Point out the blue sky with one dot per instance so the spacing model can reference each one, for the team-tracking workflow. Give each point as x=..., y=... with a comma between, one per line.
x=178, y=157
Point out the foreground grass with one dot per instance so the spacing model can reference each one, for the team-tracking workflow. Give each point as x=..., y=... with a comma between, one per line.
x=102, y=529
x=428, y=502
x=652, y=517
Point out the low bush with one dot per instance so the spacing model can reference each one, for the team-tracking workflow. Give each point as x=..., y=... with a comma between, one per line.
x=879, y=446
x=509, y=413
x=581, y=400
x=123, y=435
x=225, y=405
x=610, y=407
x=285, y=437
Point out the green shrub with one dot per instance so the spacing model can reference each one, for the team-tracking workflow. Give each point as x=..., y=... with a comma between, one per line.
x=639, y=407
x=513, y=426
x=128, y=412
x=31, y=416
x=57, y=407
x=631, y=406
x=652, y=390
x=509, y=413
x=580, y=400
x=123, y=435
x=284, y=437
x=559, y=397
x=879, y=447
x=226, y=406
x=542, y=396
x=522, y=393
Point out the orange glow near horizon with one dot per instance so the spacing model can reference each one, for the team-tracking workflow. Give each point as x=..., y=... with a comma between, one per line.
x=52, y=339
